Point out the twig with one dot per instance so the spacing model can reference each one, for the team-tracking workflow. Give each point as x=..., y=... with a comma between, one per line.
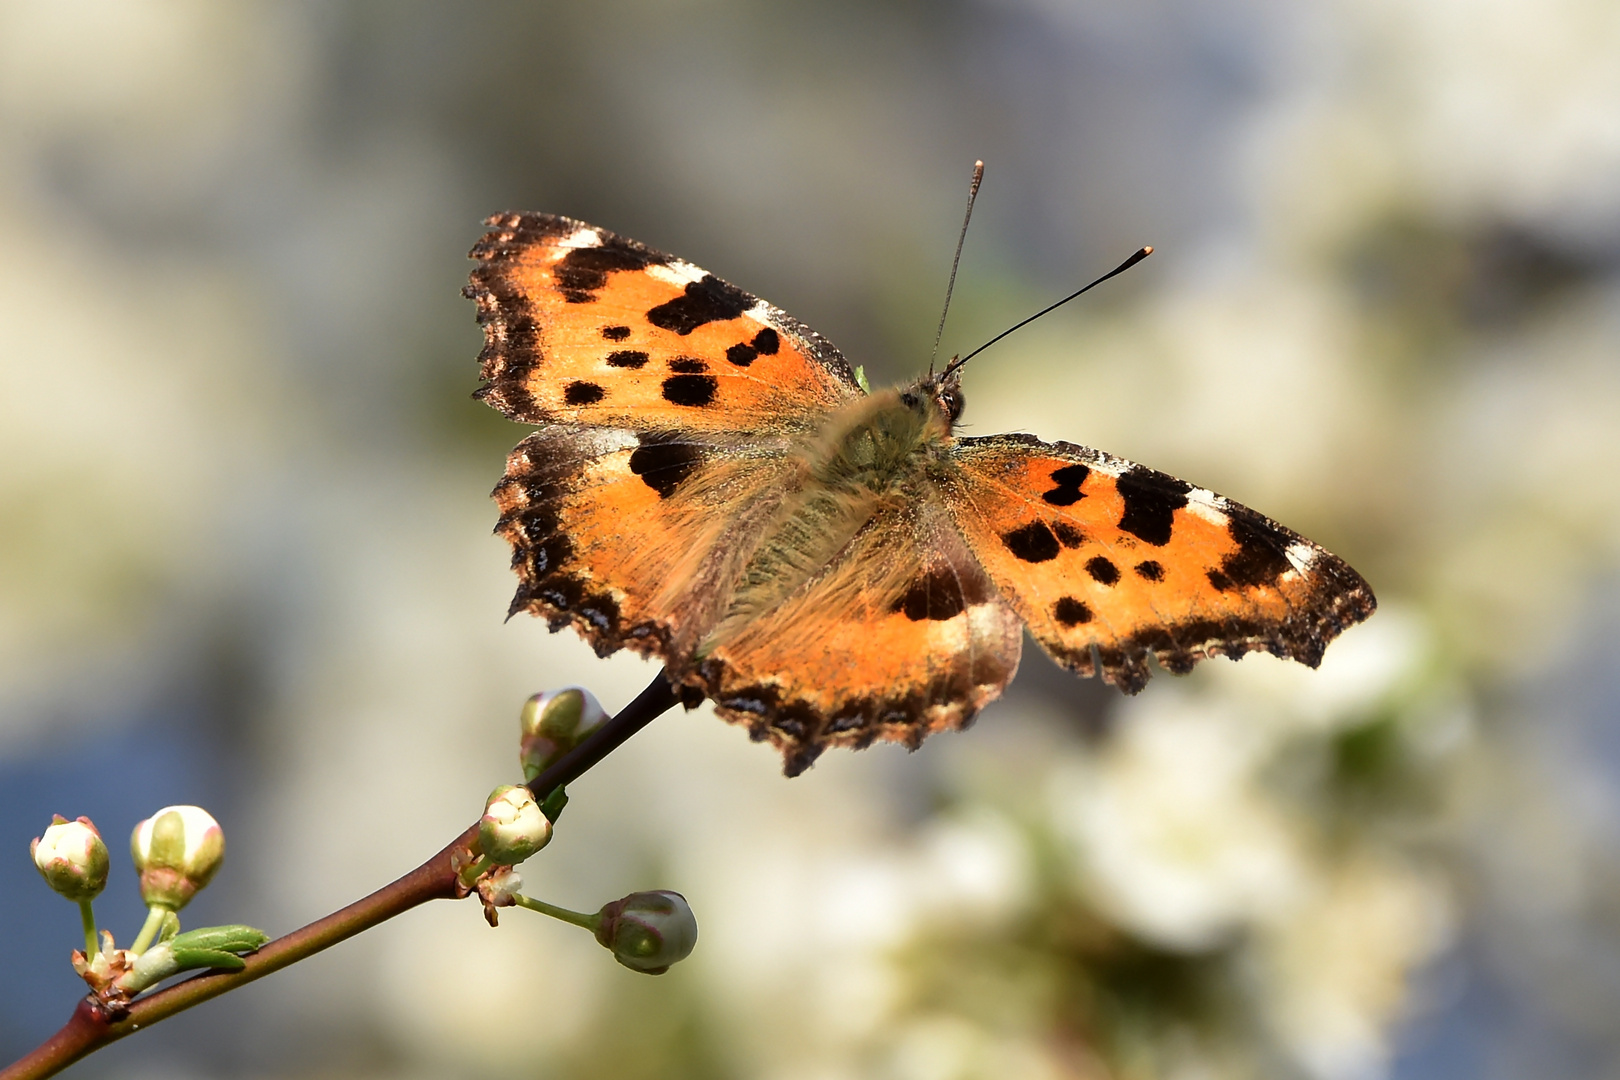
x=91, y=1027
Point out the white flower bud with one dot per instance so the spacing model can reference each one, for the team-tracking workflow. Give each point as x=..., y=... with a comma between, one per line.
x=554, y=723
x=176, y=852
x=513, y=826
x=72, y=858
x=649, y=931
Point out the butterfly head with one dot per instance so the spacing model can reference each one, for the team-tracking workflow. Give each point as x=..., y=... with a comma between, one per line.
x=936, y=396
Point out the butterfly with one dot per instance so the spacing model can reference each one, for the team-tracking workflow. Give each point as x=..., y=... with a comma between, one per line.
x=711, y=483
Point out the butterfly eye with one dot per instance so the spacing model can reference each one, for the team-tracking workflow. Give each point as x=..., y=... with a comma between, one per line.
x=952, y=400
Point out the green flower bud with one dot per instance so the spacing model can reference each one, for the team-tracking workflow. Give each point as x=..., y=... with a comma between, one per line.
x=72, y=858
x=648, y=931
x=554, y=723
x=176, y=852
x=513, y=826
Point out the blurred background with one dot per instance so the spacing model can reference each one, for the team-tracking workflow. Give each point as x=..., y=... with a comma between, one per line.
x=246, y=561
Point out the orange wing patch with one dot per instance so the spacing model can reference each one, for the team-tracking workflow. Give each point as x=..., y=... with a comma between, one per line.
x=899, y=636
x=1098, y=554
x=582, y=326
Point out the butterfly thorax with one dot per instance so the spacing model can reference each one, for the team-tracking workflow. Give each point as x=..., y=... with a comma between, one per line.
x=879, y=440
x=870, y=454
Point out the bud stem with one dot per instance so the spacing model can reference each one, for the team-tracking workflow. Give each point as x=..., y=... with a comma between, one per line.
x=88, y=916
x=475, y=869
x=149, y=929
x=578, y=918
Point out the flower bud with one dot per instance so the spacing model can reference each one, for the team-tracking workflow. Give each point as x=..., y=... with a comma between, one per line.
x=513, y=826
x=176, y=852
x=554, y=723
x=649, y=931
x=72, y=858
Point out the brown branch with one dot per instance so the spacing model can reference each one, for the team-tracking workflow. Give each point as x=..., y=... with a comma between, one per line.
x=91, y=1027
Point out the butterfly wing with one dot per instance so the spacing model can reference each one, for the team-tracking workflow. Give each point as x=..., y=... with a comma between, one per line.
x=667, y=401
x=899, y=635
x=631, y=539
x=585, y=327
x=1110, y=562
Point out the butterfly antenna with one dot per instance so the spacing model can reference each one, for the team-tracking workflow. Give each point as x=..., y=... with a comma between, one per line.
x=973, y=193
x=1120, y=269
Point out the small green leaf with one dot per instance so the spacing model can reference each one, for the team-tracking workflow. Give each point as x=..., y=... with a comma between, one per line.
x=553, y=805
x=228, y=939
x=207, y=947
x=191, y=959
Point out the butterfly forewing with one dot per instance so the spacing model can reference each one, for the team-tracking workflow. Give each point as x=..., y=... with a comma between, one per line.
x=586, y=327
x=1112, y=562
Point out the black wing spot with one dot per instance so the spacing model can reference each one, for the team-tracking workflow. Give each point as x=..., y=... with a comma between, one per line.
x=601, y=611
x=1150, y=570
x=542, y=554
x=630, y=358
x=1032, y=543
x=1068, y=535
x=583, y=271
x=690, y=365
x=694, y=390
x=583, y=393
x=662, y=466
x=1258, y=559
x=1067, y=490
x=1071, y=612
x=766, y=342
x=1151, y=501
x=538, y=525
x=706, y=301
x=1102, y=571
x=939, y=595
x=742, y=354
x=615, y=333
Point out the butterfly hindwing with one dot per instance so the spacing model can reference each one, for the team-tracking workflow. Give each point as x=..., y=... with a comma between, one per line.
x=1096, y=553
x=622, y=535
x=585, y=327
x=900, y=635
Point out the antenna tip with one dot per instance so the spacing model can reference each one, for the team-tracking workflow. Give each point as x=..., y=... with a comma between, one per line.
x=1147, y=249
x=978, y=164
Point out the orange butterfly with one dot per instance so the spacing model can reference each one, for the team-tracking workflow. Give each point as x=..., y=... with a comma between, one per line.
x=711, y=484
